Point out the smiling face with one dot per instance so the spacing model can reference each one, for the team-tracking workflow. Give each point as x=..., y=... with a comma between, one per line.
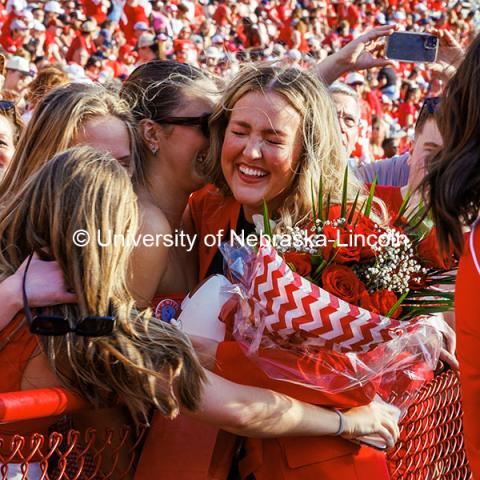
x=261, y=150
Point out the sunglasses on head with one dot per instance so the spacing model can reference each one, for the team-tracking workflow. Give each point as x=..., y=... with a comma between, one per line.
x=430, y=104
x=56, y=325
x=6, y=105
x=201, y=121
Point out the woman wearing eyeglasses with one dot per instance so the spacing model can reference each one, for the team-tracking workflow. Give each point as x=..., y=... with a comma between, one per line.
x=171, y=103
x=99, y=347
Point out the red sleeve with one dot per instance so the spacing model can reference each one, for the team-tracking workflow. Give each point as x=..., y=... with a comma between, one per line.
x=467, y=314
x=234, y=365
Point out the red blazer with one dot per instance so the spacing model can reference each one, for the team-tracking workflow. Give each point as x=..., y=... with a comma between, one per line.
x=171, y=450
x=467, y=316
x=286, y=458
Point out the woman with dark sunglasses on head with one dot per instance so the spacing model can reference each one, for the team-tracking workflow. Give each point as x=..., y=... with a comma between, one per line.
x=171, y=103
x=453, y=193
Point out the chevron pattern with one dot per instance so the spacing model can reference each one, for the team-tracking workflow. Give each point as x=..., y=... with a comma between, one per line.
x=288, y=304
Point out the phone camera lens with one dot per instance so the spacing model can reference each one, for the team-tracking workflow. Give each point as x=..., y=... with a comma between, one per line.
x=431, y=42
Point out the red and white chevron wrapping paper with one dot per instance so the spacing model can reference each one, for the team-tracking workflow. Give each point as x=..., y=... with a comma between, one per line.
x=288, y=304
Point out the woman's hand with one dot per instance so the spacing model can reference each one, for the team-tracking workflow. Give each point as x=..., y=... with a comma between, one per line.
x=447, y=353
x=362, y=53
x=450, y=52
x=378, y=419
x=45, y=284
x=450, y=55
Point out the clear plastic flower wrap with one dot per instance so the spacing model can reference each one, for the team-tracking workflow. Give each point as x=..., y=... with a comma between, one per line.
x=297, y=332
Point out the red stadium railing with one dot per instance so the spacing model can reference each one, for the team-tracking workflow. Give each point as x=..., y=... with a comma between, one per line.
x=431, y=441
x=430, y=446
x=63, y=453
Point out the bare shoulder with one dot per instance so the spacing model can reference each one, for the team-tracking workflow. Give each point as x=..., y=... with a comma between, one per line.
x=150, y=257
x=152, y=220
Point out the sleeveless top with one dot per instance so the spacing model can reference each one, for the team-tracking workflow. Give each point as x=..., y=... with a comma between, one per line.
x=467, y=319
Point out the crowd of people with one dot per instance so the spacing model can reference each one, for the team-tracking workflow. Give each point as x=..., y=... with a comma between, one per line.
x=159, y=117
x=101, y=41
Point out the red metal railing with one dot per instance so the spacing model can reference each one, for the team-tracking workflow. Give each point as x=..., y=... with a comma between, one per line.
x=64, y=453
x=431, y=442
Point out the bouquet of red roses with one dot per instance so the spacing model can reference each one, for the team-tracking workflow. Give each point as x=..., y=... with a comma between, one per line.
x=340, y=304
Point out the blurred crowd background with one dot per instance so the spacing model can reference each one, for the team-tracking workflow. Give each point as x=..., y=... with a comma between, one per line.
x=50, y=43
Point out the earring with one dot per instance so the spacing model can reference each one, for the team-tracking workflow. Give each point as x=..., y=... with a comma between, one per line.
x=153, y=149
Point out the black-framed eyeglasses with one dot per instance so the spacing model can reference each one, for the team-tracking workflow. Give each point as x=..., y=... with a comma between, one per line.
x=349, y=120
x=201, y=121
x=56, y=325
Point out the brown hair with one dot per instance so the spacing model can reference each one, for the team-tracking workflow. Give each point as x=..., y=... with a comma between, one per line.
x=47, y=79
x=144, y=362
x=156, y=88
x=55, y=123
x=452, y=186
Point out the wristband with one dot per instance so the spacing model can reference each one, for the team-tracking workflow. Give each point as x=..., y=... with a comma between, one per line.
x=341, y=423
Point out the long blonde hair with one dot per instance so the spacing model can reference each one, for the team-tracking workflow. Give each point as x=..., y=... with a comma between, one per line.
x=56, y=122
x=144, y=362
x=322, y=155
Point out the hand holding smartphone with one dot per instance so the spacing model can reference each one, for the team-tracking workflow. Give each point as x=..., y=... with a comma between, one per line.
x=412, y=47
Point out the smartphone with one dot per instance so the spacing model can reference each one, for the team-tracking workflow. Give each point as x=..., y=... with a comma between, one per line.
x=412, y=47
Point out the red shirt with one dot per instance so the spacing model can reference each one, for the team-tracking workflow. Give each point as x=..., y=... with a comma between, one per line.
x=80, y=42
x=133, y=15
x=95, y=9
x=221, y=15
x=9, y=44
x=404, y=111
x=467, y=316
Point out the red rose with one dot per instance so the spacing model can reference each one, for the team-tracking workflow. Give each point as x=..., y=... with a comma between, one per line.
x=367, y=235
x=339, y=243
x=343, y=283
x=299, y=262
x=380, y=302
